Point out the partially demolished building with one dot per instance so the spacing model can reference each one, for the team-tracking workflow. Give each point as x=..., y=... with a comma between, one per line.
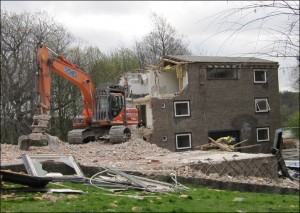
x=186, y=99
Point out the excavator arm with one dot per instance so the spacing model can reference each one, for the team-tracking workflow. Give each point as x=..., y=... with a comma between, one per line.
x=110, y=112
x=66, y=70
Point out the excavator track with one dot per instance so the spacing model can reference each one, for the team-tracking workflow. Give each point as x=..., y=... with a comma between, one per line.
x=119, y=134
x=75, y=136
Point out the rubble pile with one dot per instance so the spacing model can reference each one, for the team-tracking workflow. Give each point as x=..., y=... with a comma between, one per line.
x=87, y=154
x=135, y=154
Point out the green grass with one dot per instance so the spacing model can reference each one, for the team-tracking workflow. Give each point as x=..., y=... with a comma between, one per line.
x=198, y=199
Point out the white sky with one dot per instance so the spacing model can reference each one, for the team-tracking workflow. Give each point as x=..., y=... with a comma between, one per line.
x=109, y=24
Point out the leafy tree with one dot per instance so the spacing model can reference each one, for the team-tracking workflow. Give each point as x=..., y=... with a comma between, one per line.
x=289, y=103
x=108, y=67
x=293, y=123
x=162, y=40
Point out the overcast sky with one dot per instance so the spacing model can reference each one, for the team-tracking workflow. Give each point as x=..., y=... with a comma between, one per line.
x=109, y=24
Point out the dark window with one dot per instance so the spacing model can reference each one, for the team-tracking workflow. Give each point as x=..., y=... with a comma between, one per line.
x=262, y=134
x=260, y=76
x=262, y=105
x=183, y=141
x=221, y=73
x=182, y=108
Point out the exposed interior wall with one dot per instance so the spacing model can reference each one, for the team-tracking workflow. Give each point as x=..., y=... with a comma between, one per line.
x=138, y=83
x=173, y=78
x=185, y=80
x=168, y=82
x=149, y=115
x=147, y=102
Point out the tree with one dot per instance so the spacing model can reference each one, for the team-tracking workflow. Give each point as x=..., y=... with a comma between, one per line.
x=21, y=34
x=162, y=40
x=293, y=123
x=289, y=104
x=276, y=24
x=108, y=67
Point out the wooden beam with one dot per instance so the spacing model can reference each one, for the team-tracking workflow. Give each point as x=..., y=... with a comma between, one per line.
x=222, y=147
x=174, y=62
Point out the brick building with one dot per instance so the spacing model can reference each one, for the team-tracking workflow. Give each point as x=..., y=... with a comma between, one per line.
x=192, y=98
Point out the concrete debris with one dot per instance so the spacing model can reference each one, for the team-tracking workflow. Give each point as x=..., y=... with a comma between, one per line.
x=140, y=155
x=58, y=166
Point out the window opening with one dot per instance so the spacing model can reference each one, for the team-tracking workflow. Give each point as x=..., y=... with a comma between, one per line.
x=235, y=134
x=183, y=141
x=260, y=76
x=221, y=73
x=52, y=165
x=116, y=105
x=262, y=134
x=262, y=105
x=182, y=108
x=135, y=81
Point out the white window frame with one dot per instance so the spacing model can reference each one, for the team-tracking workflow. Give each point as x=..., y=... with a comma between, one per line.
x=260, y=82
x=182, y=102
x=263, y=128
x=257, y=106
x=184, y=134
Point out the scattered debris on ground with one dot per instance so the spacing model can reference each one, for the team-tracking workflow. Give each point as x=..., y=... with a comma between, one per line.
x=224, y=144
x=140, y=155
x=109, y=179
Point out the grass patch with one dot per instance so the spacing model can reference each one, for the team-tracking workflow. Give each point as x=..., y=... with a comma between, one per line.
x=198, y=199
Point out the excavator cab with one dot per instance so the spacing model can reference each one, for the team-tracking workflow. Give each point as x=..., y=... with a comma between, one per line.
x=116, y=103
x=108, y=106
x=110, y=117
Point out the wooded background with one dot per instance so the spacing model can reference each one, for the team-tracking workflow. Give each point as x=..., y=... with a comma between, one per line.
x=22, y=33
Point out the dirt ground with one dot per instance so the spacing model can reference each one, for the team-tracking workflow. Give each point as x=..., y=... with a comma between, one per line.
x=136, y=154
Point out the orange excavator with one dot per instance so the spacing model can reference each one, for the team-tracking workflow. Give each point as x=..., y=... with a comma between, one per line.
x=104, y=109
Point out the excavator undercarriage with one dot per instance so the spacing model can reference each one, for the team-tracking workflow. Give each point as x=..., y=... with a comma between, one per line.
x=116, y=134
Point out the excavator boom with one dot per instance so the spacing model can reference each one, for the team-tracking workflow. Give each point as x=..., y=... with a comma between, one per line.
x=103, y=113
x=66, y=70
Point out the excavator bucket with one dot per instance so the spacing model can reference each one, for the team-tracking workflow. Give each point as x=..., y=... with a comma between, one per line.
x=39, y=126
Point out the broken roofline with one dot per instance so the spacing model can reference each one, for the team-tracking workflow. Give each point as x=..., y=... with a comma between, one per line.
x=177, y=59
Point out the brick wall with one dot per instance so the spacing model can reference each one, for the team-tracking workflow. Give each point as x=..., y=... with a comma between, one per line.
x=219, y=105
